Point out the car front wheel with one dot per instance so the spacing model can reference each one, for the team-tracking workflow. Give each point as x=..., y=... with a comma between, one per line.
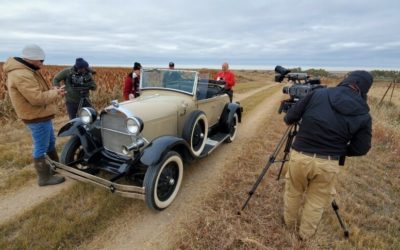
x=162, y=181
x=72, y=155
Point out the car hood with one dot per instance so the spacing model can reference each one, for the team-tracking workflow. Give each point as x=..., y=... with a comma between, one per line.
x=151, y=107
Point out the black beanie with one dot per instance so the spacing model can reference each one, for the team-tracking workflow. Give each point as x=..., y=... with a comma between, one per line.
x=361, y=78
x=80, y=63
x=136, y=66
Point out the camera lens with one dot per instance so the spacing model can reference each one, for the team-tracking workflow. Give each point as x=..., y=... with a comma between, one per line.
x=285, y=90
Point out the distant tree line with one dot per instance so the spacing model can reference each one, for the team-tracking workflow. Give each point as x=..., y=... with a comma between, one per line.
x=312, y=72
x=382, y=74
x=393, y=74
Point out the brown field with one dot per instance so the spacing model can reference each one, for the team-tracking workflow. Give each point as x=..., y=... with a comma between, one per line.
x=84, y=217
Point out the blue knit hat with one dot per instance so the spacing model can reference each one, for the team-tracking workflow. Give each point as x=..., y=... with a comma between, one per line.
x=80, y=63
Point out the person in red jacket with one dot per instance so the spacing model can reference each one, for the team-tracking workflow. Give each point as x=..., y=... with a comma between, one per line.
x=132, y=81
x=228, y=77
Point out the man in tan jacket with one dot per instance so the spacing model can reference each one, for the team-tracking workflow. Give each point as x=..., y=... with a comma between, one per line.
x=34, y=102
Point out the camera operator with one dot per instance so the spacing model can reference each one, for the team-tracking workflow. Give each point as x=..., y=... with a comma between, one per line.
x=333, y=123
x=228, y=77
x=78, y=80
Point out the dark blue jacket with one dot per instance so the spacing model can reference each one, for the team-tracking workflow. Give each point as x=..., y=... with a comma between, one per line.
x=334, y=121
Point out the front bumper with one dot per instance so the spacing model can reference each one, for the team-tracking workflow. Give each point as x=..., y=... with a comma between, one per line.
x=129, y=191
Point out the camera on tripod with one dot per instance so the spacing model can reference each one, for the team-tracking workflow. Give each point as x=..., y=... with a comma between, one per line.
x=81, y=81
x=302, y=84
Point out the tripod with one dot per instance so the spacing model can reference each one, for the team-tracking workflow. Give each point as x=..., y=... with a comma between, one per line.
x=287, y=140
x=84, y=101
x=391, y=86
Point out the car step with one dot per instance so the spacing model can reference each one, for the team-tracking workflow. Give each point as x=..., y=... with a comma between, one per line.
x=213, y=142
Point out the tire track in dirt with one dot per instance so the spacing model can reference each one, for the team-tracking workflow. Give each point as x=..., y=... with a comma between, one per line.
x=31, y=195
x=16, y=203
x=140, y=228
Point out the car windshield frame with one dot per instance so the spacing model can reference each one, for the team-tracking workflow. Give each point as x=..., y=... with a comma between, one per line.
x=183, y=81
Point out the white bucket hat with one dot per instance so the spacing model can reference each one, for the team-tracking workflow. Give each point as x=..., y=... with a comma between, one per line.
x=33, y=52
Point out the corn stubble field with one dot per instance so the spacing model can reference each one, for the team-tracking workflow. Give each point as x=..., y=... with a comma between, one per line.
x=368, y=187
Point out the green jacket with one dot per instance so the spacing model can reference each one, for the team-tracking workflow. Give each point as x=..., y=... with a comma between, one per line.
x=74, y=82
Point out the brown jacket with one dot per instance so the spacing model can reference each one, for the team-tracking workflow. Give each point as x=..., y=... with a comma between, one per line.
x=31, y=96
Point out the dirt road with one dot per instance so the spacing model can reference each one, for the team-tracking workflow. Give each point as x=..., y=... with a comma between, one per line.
x=140, y=228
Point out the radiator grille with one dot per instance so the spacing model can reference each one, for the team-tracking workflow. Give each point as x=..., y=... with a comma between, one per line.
x=114, y=133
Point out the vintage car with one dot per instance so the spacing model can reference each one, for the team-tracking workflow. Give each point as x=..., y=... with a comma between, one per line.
x=179, y=116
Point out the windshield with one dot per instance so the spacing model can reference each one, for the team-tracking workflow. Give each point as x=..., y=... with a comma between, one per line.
x=179, y=80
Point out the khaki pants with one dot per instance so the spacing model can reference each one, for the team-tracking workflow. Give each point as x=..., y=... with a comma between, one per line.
x=316, y=179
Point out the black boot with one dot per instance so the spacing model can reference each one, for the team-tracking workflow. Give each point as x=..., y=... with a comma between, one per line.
x=54, y=156
x=44, y=173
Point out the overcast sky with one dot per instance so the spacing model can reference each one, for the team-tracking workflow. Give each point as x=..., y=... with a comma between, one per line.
x=253, y=33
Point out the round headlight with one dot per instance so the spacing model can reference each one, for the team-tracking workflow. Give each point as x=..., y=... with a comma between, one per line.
x=133, y=126
x=88, y=115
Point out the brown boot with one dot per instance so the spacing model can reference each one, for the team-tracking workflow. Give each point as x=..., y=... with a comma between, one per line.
x=44, y=173
x=54, y=156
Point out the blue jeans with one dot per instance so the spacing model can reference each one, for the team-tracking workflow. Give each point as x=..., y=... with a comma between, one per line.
x=43, y=138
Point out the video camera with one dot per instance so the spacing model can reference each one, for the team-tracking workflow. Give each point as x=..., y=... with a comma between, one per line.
x=80, y=81
x=302, y=85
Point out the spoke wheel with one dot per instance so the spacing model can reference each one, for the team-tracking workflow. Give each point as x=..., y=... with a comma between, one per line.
x=72, y=155
x=162, y=181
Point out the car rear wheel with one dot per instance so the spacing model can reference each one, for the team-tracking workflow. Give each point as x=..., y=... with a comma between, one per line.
x=162, y=181
x=233, y=128
x=195, y=132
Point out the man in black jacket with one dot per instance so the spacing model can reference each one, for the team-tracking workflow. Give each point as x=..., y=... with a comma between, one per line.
x=333, y=122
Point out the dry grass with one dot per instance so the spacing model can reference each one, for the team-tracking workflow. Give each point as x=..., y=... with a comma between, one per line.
x=368, y=191
x=378, y=90
x=65, y=221
x=16, y=154
x=249, y=79
x=251, y=102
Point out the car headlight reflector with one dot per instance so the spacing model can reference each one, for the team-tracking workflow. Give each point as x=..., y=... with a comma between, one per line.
x=88, y=115
x=133, y=125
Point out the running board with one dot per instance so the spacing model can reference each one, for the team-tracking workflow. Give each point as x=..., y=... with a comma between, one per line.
x=129, y=191
x=212, y=143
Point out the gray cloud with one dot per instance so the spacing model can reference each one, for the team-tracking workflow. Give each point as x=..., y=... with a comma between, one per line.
x=307, y=33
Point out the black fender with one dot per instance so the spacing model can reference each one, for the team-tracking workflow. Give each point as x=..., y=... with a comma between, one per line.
x=227, y=115
x=160, y=146
x=86, y=134
x=70, y=128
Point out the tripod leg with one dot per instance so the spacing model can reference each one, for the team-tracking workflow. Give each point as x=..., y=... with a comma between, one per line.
x=270, y=161
x=383, y=97
x=391, y=95
x=289, y=142
x=336, y=208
